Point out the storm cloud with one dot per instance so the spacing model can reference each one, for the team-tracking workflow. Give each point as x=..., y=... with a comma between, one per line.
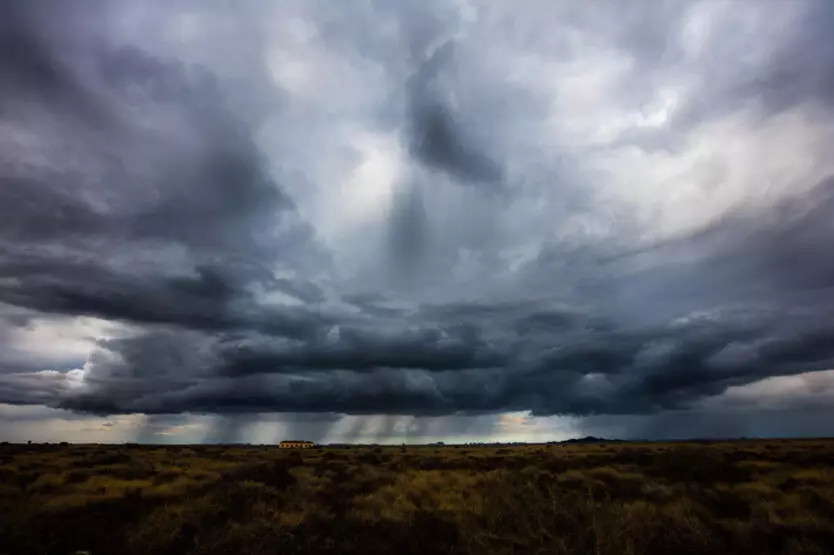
x=415, y=210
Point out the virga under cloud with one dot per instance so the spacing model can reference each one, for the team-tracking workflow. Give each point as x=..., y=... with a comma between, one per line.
x=415, y=209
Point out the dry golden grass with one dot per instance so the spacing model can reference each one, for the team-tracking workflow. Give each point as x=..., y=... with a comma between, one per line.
x=683, y=498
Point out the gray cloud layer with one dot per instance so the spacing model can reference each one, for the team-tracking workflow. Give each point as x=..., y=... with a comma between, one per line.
x=415, y=209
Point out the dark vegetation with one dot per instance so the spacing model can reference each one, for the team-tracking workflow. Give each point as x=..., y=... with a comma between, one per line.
x=603, y=498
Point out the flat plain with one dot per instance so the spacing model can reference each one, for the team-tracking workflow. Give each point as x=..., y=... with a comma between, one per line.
x=751, y=496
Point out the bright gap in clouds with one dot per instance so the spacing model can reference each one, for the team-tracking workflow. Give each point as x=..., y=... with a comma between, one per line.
x=367, y=192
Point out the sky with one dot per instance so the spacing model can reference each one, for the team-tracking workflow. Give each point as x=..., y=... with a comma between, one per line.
x=408, y=221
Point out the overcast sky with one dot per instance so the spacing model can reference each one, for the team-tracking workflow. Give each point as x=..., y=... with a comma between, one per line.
x=415, y=220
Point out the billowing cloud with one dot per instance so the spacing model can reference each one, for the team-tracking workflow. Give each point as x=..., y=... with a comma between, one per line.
x=414, y=214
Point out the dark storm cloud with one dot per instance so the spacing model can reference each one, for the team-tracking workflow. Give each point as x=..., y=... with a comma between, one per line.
x=206, y=300
x=426, y=372
x=438, y=143
x=137, y=186
x=436, y=138
x=190, y=198
x=214, y=194
x=31, y=67
x=429, y=348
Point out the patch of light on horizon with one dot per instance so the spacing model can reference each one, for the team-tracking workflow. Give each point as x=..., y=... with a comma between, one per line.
x=808, y=389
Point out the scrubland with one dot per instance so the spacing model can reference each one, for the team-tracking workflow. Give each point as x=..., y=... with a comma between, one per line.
x=625, y=498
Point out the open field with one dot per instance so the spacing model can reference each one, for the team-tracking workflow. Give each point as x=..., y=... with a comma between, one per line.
x=684, y=498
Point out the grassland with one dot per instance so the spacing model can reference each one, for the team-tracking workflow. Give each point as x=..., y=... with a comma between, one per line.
x=683, y=498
